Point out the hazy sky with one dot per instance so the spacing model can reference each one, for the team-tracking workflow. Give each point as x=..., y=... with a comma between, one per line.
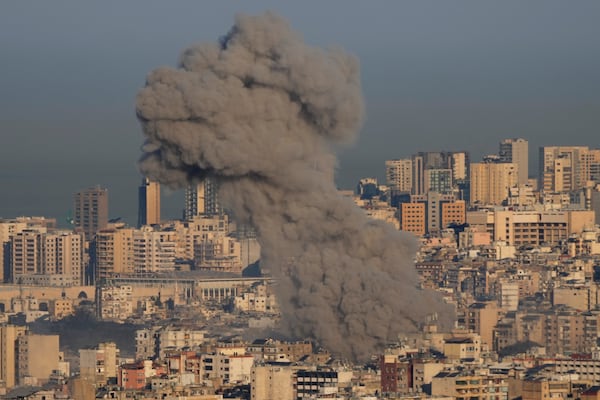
x=437, y=75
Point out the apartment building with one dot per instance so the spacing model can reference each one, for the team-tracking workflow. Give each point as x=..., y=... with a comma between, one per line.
x=272, y=381
x=491, y=181
x=516, y=151
x=398, y=174
x=48, y=254
x=567, y=168
x=100, y=364
x=37, y=357
x=532, y=227
x=91, y=210
x=148, y=203
x=113, y=252
x=468, y=385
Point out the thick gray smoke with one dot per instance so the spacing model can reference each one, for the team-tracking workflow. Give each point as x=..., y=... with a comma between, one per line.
x=260, y=112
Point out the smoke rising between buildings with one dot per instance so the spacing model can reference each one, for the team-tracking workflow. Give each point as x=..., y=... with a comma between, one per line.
x=260, y=111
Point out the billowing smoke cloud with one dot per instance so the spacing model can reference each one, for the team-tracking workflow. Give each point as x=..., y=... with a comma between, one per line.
x=260, y=112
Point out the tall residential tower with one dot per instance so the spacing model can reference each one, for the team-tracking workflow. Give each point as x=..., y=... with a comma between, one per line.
x=91, y=210
x=516, y=151
x=148, y=203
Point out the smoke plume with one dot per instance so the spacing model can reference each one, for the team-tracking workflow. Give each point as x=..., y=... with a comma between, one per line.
x=260, y=112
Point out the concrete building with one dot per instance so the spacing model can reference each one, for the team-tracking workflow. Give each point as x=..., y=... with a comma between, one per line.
x=153, y=250
x=113, y=252
x=11, y=227
x=59, y=253
x=582, y=297
x=521, y=195
x=148, y=203
x=176, y=338
x=516, y=151
x=459, y=166
x=316, y=384
x=412, y=218
x=480, y=318
x=90, y=208
x=568, y=168
x=462, y=350
x=258, y=299
x=114, y=303
x=532, y=227
x=37, y=356
x=423, y=161
x=202, y=198
x=509, y=295
x=396, y=374
x=468, y=385
x=219, y=253
x=60, y=308
x=437, y=212
x=543, y=388
x=398, y=174
x=454, y=212
x=227, y=368
x=438, y=180
x=100, y=364
x=491, y=181
x=146, y=343
x=132, y=376
x=272, y=381
x=8, y=355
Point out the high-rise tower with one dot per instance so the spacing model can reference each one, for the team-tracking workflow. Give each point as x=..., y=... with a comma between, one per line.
x=148, y=203
x=91, y=210
x=398, y=174
x=491, y=181
x=516, y=151
x=202, y=198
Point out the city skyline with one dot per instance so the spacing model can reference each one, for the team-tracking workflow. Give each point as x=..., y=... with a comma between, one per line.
x=435, y=77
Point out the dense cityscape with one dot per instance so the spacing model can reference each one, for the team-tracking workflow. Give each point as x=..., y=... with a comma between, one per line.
x=180, y=309
x=293, y=200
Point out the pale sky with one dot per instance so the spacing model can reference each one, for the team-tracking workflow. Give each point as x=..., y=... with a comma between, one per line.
x=436, y=75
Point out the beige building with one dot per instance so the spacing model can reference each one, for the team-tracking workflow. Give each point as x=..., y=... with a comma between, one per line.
x=90, y=207
x=60, y=308
x=11, y=227
x=516, y=151
x=153, y=250
x=459, y=166
x=272, y=382
x=543, y=389
x=149, y=203
x=460, y=385
x=114, y=252
x=508, y=294
x=37, y=357
x=100, y=364
x=567, y=168
x=481, y=318
x=114, y=303
x=398, y=174
x=533, y=227
x=491, y=181
x=176, y=338
x=463, y=349
x=582, y=297
x=8, y=356
x=258, y=299
x=49, y=254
